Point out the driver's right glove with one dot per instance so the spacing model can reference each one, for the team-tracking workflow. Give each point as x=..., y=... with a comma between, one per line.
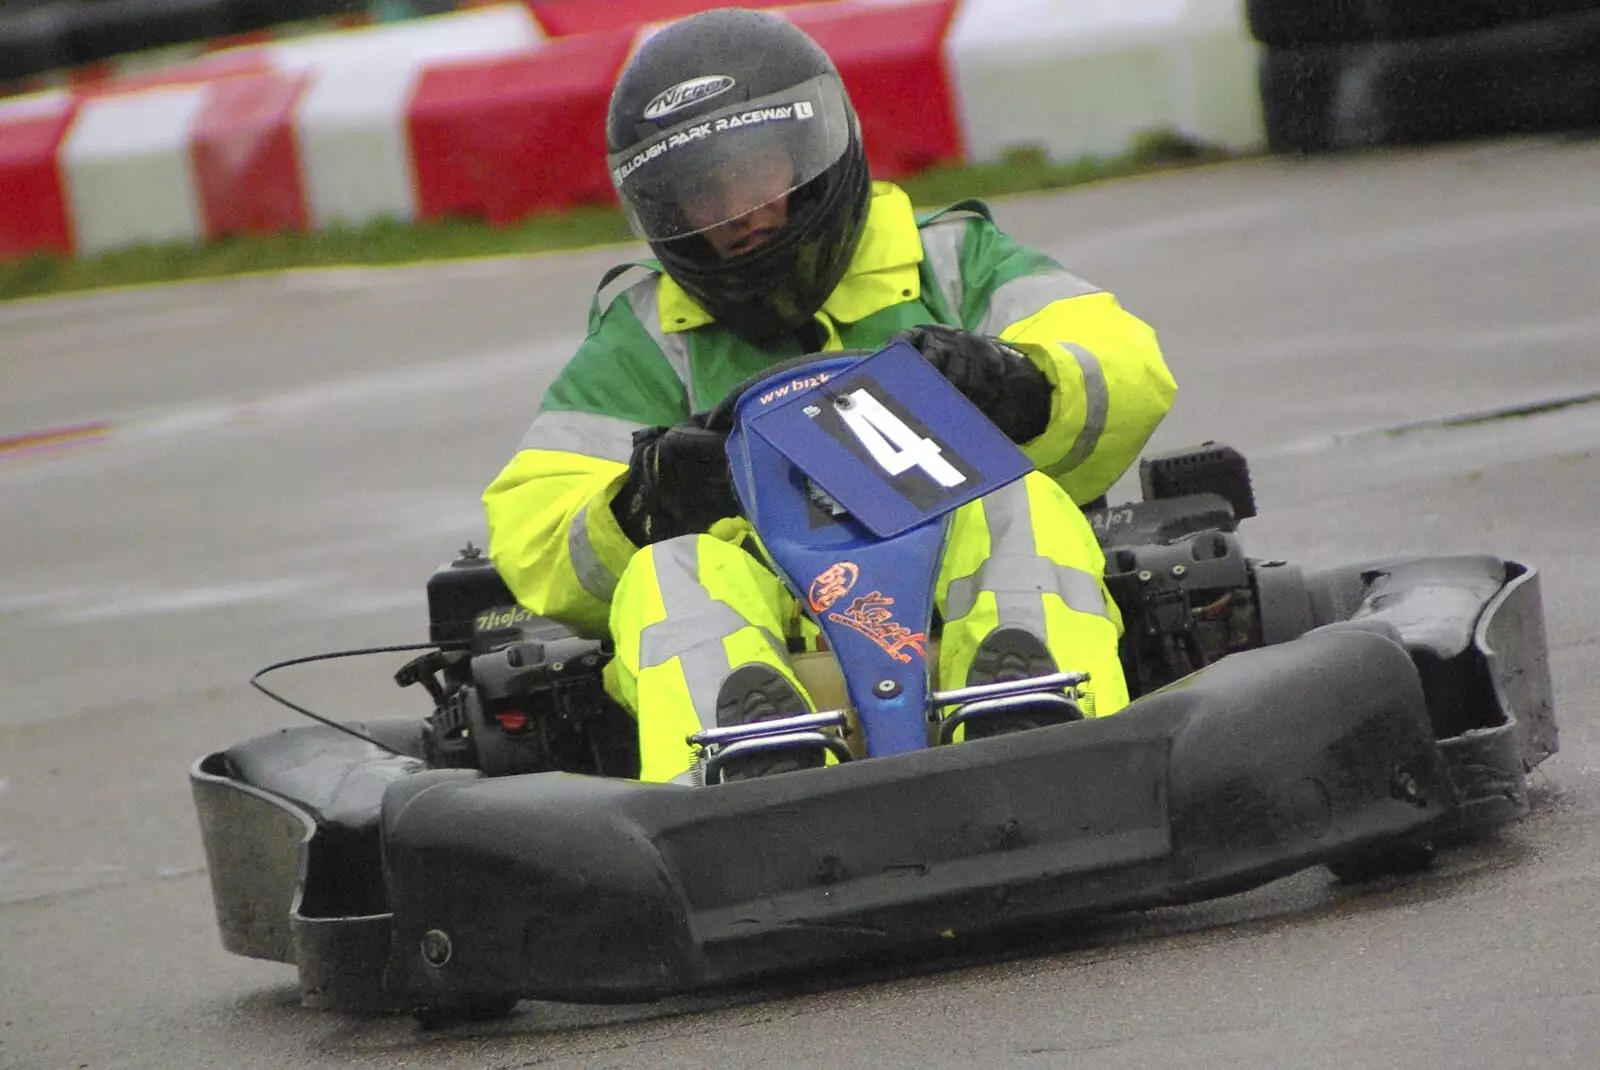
x=678, y=484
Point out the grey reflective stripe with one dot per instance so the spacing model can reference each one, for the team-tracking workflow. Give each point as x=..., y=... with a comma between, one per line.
x=1016, y=574
x=587, y=433
x=1097, y=403
x=941, y=248
x=593, y=574
x=694, y=627
x=1027, y=294
x=644, y=298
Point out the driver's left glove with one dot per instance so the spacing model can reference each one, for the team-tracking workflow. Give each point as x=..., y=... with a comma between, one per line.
x=1007, y=386
x=678, y=483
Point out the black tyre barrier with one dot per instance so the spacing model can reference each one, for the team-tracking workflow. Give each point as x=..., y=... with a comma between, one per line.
x=1536, y=77
x=261, y=14
x=32, y=42
x=1299, y=23
x=68, y=33
x=110, y=28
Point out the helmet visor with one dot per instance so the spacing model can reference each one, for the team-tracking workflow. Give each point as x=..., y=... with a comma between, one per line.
x=723, y=165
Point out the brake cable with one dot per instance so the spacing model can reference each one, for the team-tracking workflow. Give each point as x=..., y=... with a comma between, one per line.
x=255, y=682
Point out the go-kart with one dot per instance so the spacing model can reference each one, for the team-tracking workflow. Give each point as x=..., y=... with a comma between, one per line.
x=501, y=848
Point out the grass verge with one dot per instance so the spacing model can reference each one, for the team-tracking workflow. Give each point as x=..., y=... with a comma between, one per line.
x=392, y=242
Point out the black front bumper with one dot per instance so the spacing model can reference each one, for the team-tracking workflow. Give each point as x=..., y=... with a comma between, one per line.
x=566, y=887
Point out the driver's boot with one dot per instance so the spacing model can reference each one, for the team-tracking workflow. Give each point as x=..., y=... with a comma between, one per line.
x=1008, y=654
x=757, y=692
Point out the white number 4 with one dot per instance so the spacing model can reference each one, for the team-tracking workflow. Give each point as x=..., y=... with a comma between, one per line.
x=892, y=444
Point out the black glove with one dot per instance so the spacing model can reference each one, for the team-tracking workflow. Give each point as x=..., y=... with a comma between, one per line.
x=678, y=483
x=1007, y=386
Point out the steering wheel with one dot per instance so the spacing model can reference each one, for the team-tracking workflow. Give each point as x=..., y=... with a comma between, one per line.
x=721, y=415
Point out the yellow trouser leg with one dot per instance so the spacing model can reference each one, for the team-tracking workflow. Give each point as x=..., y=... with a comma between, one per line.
x=686, y=612
x=1025, y=556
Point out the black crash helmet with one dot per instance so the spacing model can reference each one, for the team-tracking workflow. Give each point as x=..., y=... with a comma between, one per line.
x=701, y=117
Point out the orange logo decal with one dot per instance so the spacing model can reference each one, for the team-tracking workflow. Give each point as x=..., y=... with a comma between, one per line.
x=871, y=616
x=833, y=584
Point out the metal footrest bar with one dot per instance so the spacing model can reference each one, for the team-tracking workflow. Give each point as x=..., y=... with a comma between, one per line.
x=1048, y=703
x=1055, y=681
x=718, y=746
x=713, y=763
x=709, y=737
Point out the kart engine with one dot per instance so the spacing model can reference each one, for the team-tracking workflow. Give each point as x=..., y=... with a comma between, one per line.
x=513, y=692
x=1176, y=568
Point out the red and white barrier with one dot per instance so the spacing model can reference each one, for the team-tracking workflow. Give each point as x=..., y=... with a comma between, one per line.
x=126, y=166
x=564, y=18
x=246, y=156
x=33, y=210
x=501, y=139
x=890, y=54
x=1082, y=76
x=491, y=114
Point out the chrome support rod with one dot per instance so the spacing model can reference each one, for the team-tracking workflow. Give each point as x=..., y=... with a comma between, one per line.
x=1051, y=682
x=710, y=737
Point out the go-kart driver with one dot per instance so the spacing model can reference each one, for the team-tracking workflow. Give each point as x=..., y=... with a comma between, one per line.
x=737, y=156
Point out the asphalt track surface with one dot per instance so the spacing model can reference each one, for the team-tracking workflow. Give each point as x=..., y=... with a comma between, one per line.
x=279, y=463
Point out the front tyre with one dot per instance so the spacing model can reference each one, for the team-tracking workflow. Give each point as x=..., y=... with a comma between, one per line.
x=476, y=1009
x=1389, y=860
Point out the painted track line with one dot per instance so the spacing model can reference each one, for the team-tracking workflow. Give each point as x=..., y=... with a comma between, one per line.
x=50, y=438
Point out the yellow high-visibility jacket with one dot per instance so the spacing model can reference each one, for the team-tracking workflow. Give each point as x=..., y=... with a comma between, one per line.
x=654, y=356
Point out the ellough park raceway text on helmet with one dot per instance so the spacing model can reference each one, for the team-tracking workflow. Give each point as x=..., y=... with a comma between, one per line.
x=798, y=110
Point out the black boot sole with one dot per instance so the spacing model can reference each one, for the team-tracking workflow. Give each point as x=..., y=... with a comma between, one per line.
x=757, y=692
x=1006, y=655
